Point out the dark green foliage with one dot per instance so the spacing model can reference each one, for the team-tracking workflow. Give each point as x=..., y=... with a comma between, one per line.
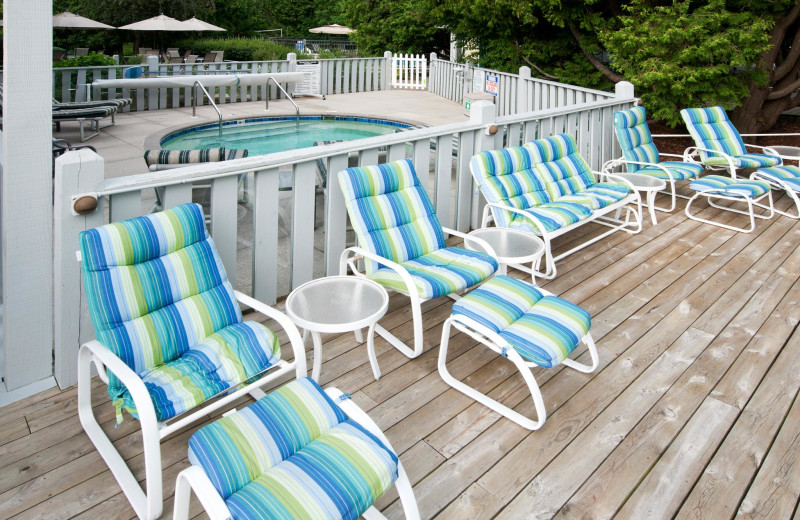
x=238, y=49
x=93, y=59
x=403, y=26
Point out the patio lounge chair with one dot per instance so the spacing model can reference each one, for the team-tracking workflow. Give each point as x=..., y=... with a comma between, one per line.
x=402, y=241
x=525, y=324
x=170, y=337
x=641, y=156
x=299, y=452
x=546, y=188
x=90, y=115
x=718, y=145
x=785, y=178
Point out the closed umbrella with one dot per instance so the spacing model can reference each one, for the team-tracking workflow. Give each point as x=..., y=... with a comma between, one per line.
x=200, y=25
x=334, y=28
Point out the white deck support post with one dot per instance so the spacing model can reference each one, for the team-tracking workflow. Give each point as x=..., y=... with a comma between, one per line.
x=77, y=172
x=386, y=79
x=27, y=211
x=524, y=97
x=152, y=93
x=291, y=67
x=485, y=113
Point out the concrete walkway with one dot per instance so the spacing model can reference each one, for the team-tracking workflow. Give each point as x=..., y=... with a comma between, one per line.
x=122, y=145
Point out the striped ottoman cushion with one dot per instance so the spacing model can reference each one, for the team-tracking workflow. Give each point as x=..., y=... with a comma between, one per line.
x=750, y=160
x=293, y=454
x=680, y=171
x=553, y=215
x=730, y=187
x=442, y=272
x=789, y=175
x=542, y=329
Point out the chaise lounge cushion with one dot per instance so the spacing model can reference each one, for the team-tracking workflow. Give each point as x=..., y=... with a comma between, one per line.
x=730, y=187
x=543, y=329
x=293, y=454
x=790, y=175
x=160, y=300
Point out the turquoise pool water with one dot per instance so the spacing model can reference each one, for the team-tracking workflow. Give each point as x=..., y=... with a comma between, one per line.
x=269, y=135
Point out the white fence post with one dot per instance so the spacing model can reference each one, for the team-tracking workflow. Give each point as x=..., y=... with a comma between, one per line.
x=523, y=95
x=77, y=172
x=624, y=90
x=292, y=67
x=152, y=93
x=387, y=75
x=433, y=76
x=484, y=113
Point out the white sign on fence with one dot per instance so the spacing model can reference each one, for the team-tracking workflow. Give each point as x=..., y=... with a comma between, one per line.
x=478, y=80
x=493, y=84
x=312, y=79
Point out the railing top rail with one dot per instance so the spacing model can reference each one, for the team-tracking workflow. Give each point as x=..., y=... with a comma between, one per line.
x=276, y=160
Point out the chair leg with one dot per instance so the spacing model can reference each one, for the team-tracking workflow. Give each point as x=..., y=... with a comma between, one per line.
x=581, y=367
x=146, y=505
x=750, y=213
x=514, y=357
x=416, y=319
x=778, y=185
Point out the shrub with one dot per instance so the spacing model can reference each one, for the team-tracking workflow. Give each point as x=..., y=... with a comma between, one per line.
x=238, y=49
x=93, y=59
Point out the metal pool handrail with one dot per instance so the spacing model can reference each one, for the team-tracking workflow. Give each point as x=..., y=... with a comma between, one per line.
x=296, y=108
x=194, y=103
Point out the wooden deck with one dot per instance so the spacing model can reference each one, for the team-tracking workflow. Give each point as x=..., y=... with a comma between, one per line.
x=692, y=413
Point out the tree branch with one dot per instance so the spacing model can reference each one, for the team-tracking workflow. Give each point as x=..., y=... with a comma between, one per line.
x=776, y=36
x=794, y=54
x=608, y=73
x=533, y=65
x=784, y=91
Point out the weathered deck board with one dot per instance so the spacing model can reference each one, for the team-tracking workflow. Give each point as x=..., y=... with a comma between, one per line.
x=692, y=412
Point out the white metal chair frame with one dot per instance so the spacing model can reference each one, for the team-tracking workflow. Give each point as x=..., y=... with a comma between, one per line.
x=148, y=503
x=598, y=216
x=496, y=343
x=779, y=184
x=751, y=202
x=352, y=255
x=692, y=155
x=194, y=478
x=671, y=191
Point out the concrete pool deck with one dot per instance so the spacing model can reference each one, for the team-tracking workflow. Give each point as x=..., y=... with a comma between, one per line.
x=122, y=145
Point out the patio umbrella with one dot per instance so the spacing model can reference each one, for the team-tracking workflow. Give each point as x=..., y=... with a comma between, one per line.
x=334, y=28
x=200, y=25
x=160, y=23
x=67, y=20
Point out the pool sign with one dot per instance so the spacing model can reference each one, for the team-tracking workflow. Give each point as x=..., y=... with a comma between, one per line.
x=478, y=80
x=312, y=78
x=492, y=84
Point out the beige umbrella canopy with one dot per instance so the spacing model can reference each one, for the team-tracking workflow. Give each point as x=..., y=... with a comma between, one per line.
x=159, y=23
x=200, y=25
x=331, y=29
x=67, y=20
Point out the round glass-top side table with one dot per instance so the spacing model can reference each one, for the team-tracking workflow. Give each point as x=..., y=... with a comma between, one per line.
x=647, y=185
x=338, y=304
x=512, y=246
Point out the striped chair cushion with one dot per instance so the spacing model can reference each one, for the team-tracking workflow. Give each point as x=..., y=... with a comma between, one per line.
x=152, y=157
x=680, y=171
x=236, y=153
x=553, y=216
x=293, y=454
x=749, y=160
x=156, y=290
x=634, y=137
x=557, y=163
x=730, y=187
x=789, y=175
x=390, y=211
x=542, y=329
x=506, y=177
x=72, y=114
x=442, y=272
x=598, y=196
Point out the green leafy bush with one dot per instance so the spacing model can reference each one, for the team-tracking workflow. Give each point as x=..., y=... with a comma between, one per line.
x=238, y=49
x=93, y=59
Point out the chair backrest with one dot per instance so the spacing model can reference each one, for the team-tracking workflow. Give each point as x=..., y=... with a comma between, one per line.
x=209, y=57
x=527, y=176
x=634, y=137
x=133, y=72
x=711, y=129
x=390, y=211
x=191, y=58
x=155, y=287
x=218, y=55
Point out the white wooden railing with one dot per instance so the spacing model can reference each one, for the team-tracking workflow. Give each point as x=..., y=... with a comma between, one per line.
x=409, y=71
x=516, y=93
x=286, y=237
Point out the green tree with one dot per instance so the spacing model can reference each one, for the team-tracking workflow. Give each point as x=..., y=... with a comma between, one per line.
x=406, y=26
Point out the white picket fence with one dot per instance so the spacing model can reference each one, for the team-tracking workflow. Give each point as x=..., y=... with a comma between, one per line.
x=409, y=71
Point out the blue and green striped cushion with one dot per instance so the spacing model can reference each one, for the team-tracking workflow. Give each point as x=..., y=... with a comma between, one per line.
x=506, y=177
x=390, y=211
x=680, y=171
x=634, y=137
x=553, y=216
x=442, y=272
x=294, y=454
x=788, y=174
x=749, y=160
x=156, y=289
x=559, y=166
x=599, y=196
x=542, y=329
x=730, y=187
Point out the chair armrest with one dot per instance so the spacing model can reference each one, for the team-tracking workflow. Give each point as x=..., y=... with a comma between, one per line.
x=676, y=155
x=411, y=287
x=355, y=412
x=765, y=149
x=196, y=479
x=623, y=180
x=131, y=380
x=481, y=242
x=612, y=163
x=286, y=324
x=532, y=218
